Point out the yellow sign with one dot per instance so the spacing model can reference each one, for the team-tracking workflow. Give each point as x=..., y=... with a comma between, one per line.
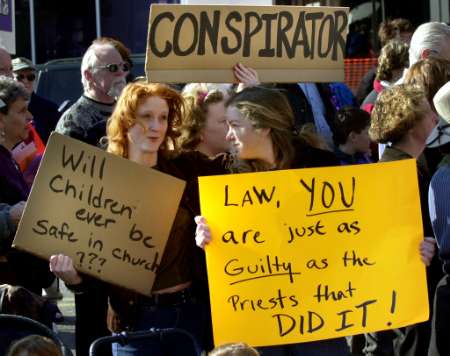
x=111, y=215
x=200, y=43
x=310, y=254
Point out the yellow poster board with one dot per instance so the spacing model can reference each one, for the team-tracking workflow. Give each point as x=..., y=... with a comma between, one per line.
x=285, y=44
x=310, y=254
x=110, y=215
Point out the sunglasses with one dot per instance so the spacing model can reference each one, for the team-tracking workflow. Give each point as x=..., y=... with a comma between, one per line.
x=114, y=68
x=30, y=77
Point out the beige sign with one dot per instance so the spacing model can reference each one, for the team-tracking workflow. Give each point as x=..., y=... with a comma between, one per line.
x=283, y=43
x=111, y=215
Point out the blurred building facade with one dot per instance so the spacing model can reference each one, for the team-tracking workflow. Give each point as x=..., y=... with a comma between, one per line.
x=51, y=29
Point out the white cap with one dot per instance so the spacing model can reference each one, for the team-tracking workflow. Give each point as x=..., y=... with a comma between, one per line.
x=441, y=133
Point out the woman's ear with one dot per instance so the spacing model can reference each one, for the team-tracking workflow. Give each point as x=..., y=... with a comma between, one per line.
x=88, y=75
x=351, y=136
x=427, y=52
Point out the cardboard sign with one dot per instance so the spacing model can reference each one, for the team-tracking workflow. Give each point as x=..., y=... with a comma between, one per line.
x=283, y=43
x=310, y=254
x=111, y=215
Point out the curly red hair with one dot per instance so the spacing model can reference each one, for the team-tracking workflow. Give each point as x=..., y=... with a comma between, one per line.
x=124, y=117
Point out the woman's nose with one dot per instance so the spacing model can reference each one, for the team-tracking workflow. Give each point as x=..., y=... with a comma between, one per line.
x=29, y=116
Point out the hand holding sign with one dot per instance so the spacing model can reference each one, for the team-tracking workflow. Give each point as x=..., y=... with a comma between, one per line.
x=202, y=232
x=62, y=267
x=246, y=76
x=427, y=250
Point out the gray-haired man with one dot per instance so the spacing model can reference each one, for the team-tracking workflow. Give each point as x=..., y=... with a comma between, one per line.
x=103, y=73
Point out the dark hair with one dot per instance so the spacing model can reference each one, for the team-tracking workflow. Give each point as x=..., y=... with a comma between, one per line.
x=10, y=91
x=390, y=29
x=349, y=119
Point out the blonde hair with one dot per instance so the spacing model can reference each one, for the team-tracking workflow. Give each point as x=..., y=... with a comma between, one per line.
x=124, y=115
x=396, y=111
x=393, y=56
x=234, y=349
x=430, y=74
x=198, y=97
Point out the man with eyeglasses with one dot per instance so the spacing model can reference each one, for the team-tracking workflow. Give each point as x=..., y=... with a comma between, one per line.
x=45, y=113
x=103, y=73
x=5, y=63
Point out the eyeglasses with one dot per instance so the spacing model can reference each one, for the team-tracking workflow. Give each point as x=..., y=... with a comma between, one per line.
x=30, y=77
x=114, y=68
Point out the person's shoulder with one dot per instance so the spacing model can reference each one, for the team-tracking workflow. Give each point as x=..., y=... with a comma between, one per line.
x=43, y=102
x=75, y=107
x=441, y=176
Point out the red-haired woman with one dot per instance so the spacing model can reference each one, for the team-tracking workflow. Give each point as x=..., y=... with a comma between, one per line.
x=142, y=129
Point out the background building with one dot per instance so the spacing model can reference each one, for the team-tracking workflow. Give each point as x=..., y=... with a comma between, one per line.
x=50, y=29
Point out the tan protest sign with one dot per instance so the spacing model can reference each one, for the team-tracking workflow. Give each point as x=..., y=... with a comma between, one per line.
x=283, y=43
x=310, y=254
x=111, y=215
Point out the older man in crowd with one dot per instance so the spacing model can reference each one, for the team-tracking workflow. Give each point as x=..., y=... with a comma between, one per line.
x=103, y=73
x=431, y=39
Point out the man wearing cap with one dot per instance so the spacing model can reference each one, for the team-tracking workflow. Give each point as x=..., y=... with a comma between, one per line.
x=45, y=113
x=439, y=207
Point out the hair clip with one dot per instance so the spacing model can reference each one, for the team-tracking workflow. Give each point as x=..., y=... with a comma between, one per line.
x=2, y=104
x=201, y=95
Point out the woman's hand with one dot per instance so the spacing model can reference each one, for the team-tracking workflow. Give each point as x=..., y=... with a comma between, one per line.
x=246, y=76
x=62, y=267
x=202, y=232
x=16, y=211
x=427, y=250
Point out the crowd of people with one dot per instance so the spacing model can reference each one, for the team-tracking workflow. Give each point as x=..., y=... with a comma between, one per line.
x=208, y=129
